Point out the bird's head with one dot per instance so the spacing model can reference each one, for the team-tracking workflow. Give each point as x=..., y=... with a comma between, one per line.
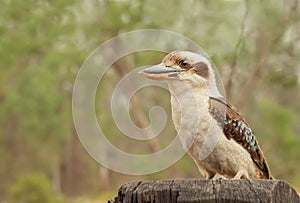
x=186, y=66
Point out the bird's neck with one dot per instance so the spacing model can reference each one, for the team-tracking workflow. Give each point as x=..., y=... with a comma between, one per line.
x=189, y=109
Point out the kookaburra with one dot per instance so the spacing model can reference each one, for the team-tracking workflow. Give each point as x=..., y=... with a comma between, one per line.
x=235, y=154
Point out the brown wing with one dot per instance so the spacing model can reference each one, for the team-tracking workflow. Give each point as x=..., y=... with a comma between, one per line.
x=235, y=127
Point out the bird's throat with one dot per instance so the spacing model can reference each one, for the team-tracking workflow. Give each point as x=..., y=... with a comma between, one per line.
x=183, y=91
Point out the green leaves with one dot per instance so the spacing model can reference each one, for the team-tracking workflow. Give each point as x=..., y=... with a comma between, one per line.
x=31, y=189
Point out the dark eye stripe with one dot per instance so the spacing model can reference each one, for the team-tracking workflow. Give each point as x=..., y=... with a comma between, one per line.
x=201, y=69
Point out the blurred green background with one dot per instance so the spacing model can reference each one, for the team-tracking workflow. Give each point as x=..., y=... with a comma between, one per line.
x=254, y=44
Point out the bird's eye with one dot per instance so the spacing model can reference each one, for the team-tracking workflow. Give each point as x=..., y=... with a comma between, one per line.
x=184, y=64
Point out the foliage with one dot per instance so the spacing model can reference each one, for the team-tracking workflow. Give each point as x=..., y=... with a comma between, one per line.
x=31, y=189
x=254, y=45
x=285, y=141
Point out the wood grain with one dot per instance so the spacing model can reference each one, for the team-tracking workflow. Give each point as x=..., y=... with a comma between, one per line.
x=194, y=190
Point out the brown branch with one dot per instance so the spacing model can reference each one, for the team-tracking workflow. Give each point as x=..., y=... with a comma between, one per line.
x=229, y=84
x=263, y=48
x=139, y=116
x=250, y=85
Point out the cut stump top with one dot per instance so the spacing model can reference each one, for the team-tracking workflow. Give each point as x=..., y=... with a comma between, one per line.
x=194, y=190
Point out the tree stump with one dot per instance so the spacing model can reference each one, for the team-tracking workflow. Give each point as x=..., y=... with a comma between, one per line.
x=192, y=190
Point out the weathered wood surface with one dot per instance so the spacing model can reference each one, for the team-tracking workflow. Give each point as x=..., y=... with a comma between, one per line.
x=190, y=190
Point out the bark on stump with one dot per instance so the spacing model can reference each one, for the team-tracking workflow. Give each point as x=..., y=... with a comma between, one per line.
x=190, y=190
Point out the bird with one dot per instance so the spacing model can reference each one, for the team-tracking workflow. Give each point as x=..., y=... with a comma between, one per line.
x=210, y=128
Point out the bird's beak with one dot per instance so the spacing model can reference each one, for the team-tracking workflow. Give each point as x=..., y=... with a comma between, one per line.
x=160, y=72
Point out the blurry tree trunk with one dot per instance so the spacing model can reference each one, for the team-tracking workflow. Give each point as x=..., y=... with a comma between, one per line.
x=139, y=116
x=290, y=7
x=263, y=46
x=104, y=175
x=229, y=84
x=55, y=179
x=73, y=178
x=12, y=146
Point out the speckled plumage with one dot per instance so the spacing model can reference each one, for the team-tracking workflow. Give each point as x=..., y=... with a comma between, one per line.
x=235, y=127
x=214, y=133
